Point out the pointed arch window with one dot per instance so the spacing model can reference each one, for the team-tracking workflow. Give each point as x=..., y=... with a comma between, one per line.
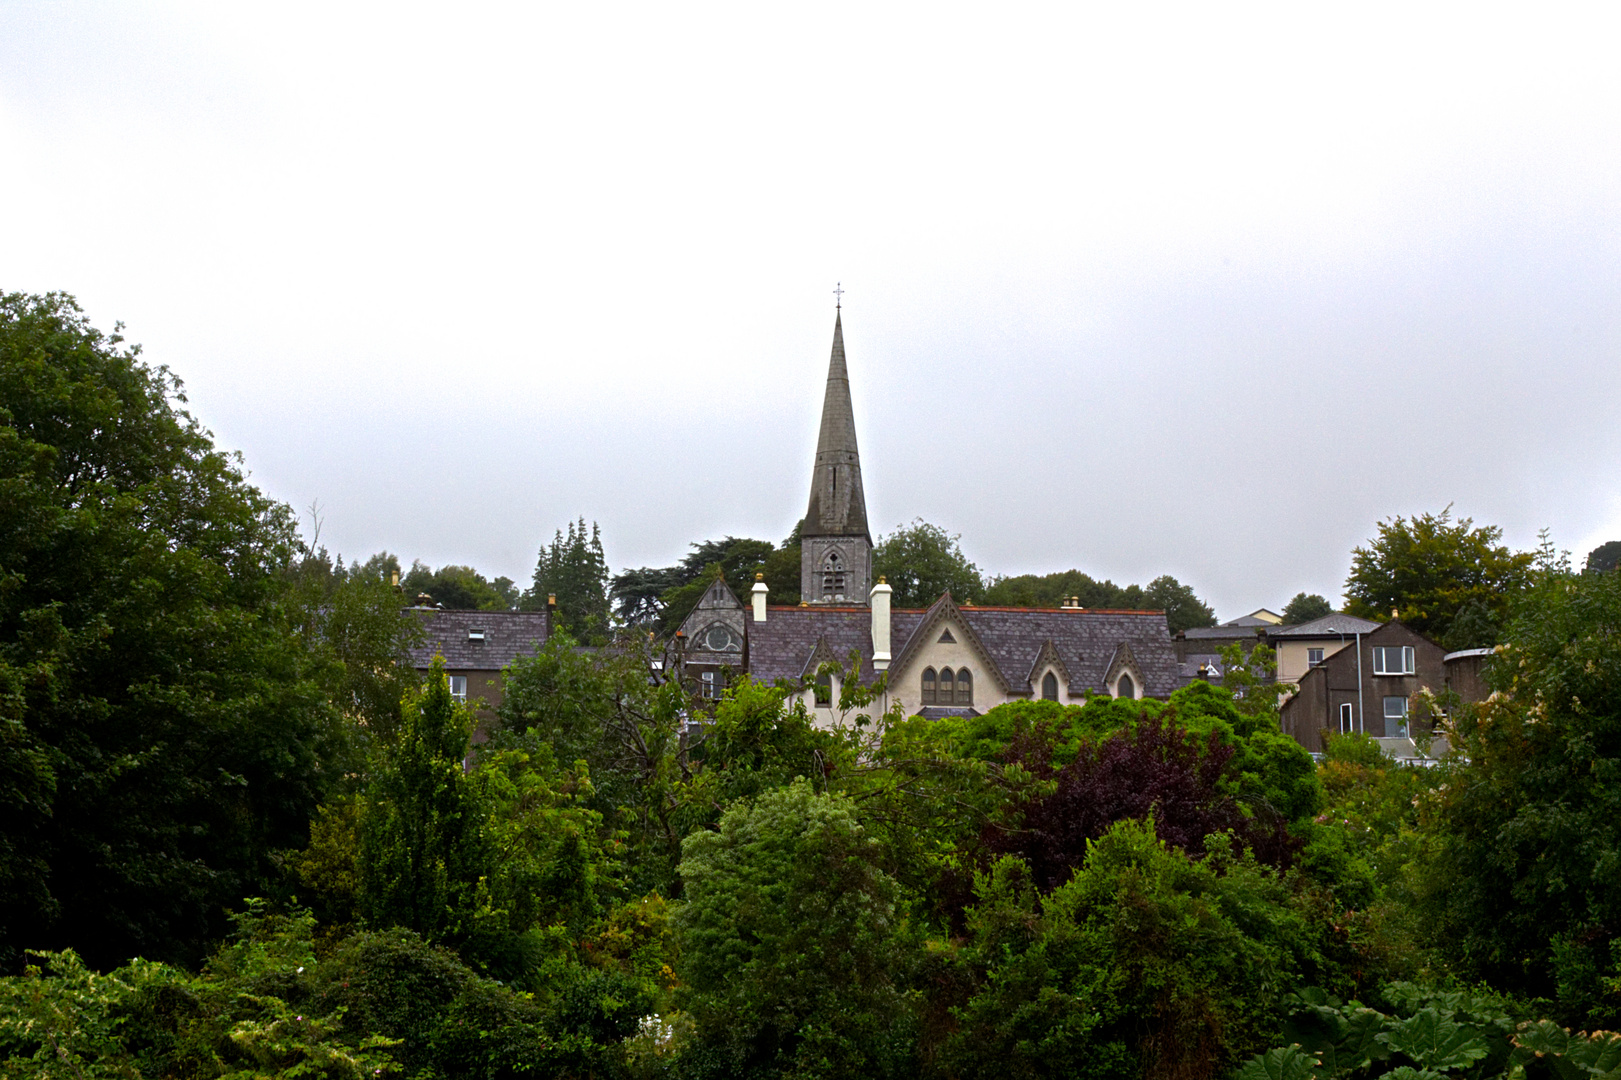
x=965, y=687
x=928, y=686
x=1125, y=687
x=1049, y=687
x=948, y=685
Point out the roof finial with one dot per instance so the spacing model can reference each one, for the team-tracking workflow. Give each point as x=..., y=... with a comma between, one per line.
x=838, y=296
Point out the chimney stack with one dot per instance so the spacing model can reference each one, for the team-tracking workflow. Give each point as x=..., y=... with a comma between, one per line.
x=758, y=597
x=879, y=600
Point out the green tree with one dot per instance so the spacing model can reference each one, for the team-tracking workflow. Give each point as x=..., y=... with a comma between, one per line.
x=1426, y=569
x=460, y=588
x=1051, y=590
x=793, y=943
x=1526, y=829
x=422, y=854
x=1183, y=610
x=356, y=614
x=662, y=597
x=1606, y=556
x=1147, y=963
x=1304, y=608
x=921, y=561
x=164, y=728
x=573, y=569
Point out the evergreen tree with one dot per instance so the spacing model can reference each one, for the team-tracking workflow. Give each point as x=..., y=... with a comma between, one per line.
x=574, y=569
x=421, y=851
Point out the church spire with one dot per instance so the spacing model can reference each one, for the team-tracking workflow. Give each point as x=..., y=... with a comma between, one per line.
x=836, y=552
x=838, y=506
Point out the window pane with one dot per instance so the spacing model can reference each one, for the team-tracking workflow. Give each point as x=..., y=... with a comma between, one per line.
x=1125, y=687
x=928, y=686
x=946, y=685
x=965, y=688
x=1049, y=687
x=1407, y=666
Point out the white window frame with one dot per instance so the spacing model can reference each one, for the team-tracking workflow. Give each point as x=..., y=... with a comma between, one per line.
x=458, y=688
x=1401, y=728
x=1347, y=718
x=709, y=685
x=1314, y=657
x=1404, y=656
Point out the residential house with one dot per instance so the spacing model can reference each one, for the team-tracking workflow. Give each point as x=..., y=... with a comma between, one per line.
x=477, y=647
x=1367, y=686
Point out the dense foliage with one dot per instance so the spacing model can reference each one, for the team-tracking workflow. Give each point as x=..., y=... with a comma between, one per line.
x=166, y=728
x=921, y=562
x=660, y=598
x=1304, y=608
x=1445, y=579
x=460, y=588
x=1183, y=609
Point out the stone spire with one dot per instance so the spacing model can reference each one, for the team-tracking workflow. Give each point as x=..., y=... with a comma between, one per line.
x=836, y=547
x=838, y=507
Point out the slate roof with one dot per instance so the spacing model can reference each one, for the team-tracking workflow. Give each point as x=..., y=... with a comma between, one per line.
x=1328, y=626
x=1226, y=632
x=1086, y=639
x=507, y=635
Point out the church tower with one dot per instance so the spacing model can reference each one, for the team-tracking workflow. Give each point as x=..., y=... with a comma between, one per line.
x=835, y=548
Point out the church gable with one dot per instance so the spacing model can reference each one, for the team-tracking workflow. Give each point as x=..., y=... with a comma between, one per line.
x=943, y=640
x=714, y=631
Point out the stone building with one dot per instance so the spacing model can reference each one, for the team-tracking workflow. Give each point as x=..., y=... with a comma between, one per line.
x=947, y=659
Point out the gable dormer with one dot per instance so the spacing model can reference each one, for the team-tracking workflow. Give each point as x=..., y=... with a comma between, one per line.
x=1049, y=676
x=1124, y=676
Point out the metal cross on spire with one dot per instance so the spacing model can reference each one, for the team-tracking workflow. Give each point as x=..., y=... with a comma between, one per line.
x=838, y=295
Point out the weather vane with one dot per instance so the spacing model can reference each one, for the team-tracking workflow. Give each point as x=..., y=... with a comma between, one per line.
x=838, y=295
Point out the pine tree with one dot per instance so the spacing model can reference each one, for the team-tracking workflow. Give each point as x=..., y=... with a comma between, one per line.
x=574, y=569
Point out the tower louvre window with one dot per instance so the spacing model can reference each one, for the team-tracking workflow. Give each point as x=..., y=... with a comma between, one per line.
x=833, y=577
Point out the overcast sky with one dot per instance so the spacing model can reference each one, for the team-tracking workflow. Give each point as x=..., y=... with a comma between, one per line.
x=1201, y=290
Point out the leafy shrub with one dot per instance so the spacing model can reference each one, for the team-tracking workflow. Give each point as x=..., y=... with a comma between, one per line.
x=1146, y=963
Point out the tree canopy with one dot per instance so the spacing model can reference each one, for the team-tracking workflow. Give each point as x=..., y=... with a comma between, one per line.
x=460, y=588
x=166, y=728
x=1606, y=556
x=1183, y=608
x=921, y=561
x=1431, y=572
x=661, y=598
x=1304, y=608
